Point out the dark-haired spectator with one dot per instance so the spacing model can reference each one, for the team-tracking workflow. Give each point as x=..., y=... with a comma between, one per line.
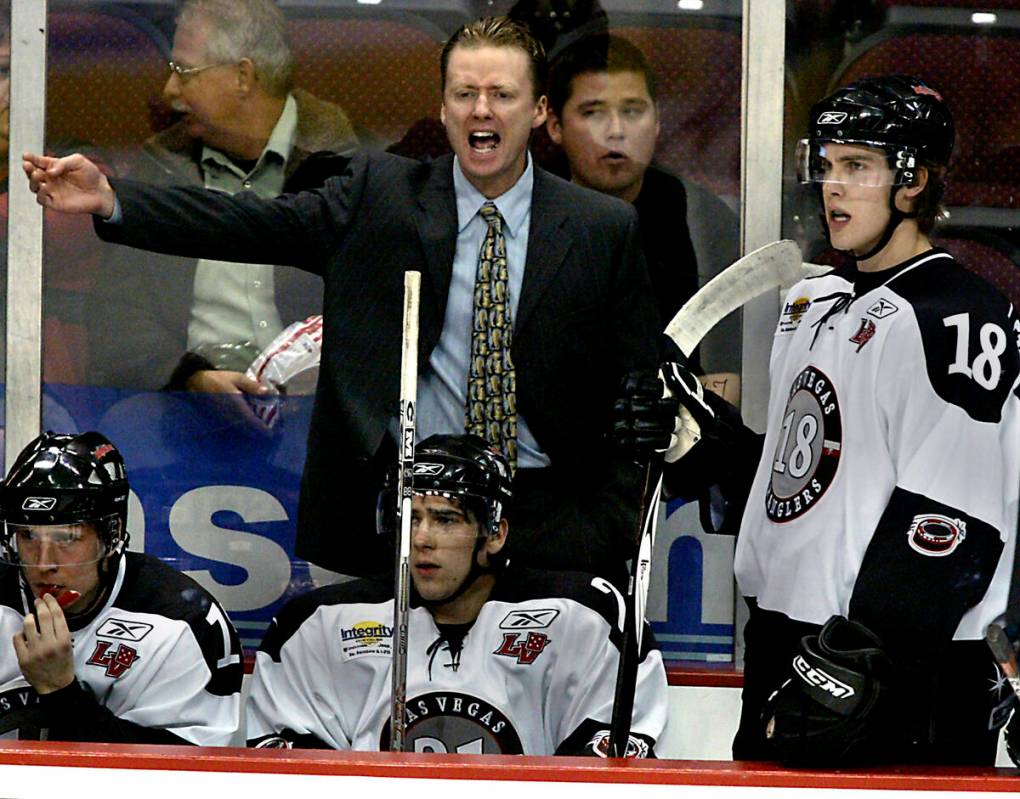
x=603, y=113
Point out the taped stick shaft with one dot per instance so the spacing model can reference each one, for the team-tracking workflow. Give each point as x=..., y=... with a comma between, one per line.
x=405, y=496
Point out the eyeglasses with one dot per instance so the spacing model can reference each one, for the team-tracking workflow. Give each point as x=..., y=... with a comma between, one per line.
x=184, y=73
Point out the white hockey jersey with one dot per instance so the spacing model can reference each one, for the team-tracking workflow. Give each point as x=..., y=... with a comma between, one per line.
x=888, y=483
x=534, y=674
x=157, y=662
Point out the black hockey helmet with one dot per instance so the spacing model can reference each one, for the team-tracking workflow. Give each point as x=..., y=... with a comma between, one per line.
x=461, y=467
x=900, y=114
x=65, y=479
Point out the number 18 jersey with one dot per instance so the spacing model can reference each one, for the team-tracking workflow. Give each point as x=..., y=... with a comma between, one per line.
x=891, y=464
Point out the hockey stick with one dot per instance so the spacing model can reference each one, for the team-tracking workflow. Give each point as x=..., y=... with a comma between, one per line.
x=637, y=598
x=767, y=268
x=405, y=498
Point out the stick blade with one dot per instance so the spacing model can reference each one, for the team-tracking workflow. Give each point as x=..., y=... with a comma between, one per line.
x=777, y=264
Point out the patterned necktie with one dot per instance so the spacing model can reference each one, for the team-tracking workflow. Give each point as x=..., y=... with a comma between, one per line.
x=491, y=392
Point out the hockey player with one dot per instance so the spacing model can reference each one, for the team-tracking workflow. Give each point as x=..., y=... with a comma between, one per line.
x=878, y=532
x=500, y=661
x=98, y=644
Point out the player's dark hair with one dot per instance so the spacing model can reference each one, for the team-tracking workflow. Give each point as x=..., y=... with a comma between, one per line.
x=499, y=32
x=928, y=204
x=598, y=53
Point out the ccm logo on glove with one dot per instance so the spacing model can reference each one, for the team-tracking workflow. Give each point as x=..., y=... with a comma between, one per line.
x=815, y=676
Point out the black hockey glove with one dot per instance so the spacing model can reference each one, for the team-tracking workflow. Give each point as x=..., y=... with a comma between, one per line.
x=662, y=411
x=839, y=705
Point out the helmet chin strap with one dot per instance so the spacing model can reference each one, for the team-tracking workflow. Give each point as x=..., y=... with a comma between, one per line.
x=895, y=217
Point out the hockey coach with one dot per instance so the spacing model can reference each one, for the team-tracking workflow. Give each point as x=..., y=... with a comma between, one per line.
x=526, y=348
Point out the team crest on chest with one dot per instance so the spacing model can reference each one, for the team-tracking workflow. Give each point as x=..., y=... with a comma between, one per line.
x=445, y=721
x=114, y=661
x=864, y=333
x=810, y=442
x=525, y=648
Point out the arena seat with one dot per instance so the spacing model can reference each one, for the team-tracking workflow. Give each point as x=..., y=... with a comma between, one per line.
x=105, y=74
x=383, y=72
x=977, y=71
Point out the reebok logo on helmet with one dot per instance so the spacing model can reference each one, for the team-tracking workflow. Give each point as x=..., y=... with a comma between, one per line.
x=832, y=117
x=39, y=503
x=430, y=469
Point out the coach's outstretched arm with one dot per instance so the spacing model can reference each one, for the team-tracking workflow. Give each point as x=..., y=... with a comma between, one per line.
x=73, y=184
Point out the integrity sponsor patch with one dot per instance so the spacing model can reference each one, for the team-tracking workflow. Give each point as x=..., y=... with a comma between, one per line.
x=366, y=638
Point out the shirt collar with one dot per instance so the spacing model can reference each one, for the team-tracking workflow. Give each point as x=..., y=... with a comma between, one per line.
x=280, y=143
x=513, y=204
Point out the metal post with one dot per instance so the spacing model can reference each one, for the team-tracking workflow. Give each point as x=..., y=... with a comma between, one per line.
x=25, y=228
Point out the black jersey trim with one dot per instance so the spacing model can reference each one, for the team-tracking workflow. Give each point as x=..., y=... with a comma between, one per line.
x=967, y=331
x=151, y=586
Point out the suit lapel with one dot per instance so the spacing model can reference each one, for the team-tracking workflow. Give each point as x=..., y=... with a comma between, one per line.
x=547, y=243
x=436, y=221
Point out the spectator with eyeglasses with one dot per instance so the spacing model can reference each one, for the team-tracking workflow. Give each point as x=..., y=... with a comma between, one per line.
x=196, y=324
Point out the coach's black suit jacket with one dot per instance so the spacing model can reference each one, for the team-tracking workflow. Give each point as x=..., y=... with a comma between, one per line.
x=585, y=316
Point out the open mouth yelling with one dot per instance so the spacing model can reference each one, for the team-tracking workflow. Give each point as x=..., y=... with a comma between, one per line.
x=483, y=141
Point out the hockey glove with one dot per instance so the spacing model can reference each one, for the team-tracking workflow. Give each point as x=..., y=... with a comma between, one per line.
x=661, y=412
x=838, y=706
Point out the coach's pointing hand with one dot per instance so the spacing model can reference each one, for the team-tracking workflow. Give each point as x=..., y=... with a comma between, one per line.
x=72, y=184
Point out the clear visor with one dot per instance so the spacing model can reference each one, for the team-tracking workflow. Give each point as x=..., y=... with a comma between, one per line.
x=51, y=545
x=852, y=164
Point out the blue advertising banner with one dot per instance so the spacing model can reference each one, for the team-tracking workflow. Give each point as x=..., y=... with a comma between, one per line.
x=215, y=493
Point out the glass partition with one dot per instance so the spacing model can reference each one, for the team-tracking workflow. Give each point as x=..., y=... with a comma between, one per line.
x=215, y=477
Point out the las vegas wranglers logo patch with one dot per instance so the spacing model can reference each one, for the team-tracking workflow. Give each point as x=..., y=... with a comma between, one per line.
x=448, y=722
x=936, y=535
x=807, y=453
